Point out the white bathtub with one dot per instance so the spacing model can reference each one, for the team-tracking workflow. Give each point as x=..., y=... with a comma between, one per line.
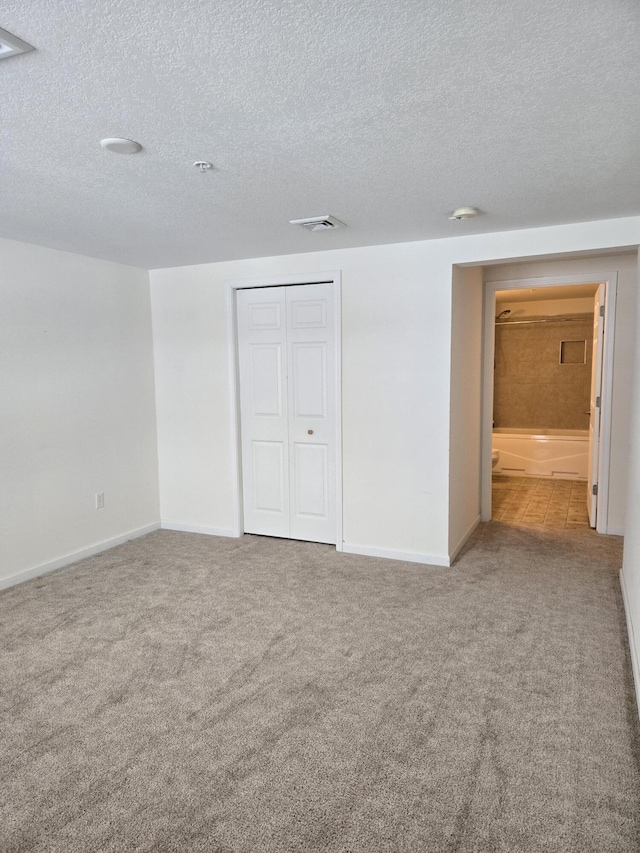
x=543, y=453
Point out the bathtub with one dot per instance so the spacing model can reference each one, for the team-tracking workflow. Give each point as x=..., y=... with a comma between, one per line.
x=543, y=453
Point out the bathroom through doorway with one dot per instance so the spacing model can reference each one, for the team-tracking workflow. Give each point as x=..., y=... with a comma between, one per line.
x=547, y=397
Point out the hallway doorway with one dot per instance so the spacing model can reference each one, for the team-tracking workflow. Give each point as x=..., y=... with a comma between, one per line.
x=548, y=362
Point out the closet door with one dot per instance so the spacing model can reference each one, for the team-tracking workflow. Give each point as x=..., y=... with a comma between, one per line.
x=311, y=368
x=262, y=350
x=287, y=360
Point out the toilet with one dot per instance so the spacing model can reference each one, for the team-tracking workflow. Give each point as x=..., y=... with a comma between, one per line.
x=495, y=458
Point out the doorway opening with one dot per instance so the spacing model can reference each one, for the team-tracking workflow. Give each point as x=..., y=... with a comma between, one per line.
x=285, y=333
x=547, y=399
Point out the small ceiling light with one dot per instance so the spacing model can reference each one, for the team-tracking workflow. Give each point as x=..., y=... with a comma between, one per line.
x=203, y=165
x=11, y=45
x=464, y=213
x=121, y=146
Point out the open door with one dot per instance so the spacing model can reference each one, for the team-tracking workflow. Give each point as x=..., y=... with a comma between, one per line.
x=595, y=404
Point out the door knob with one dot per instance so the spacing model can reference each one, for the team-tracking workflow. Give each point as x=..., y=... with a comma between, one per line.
x=309, y=432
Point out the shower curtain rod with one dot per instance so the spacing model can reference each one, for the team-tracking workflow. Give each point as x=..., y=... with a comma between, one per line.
x=544, y=320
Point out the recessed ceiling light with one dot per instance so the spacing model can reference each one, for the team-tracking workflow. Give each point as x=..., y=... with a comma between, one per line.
x=11, y=45
x=121, y=146
x=464, y=213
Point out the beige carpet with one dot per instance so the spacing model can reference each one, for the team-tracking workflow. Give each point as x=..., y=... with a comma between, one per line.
x=187, y=693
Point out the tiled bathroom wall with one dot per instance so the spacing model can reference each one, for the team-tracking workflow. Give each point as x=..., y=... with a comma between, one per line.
x=532, y=388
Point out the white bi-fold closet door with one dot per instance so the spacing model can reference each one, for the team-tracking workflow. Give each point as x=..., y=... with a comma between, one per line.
x=287, y=363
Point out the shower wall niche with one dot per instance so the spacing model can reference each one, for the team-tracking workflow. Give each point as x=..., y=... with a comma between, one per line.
x=542, y=375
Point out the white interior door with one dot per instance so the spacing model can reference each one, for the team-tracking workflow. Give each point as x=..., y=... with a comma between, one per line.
x=311, y=339
x=262, y=354
x=595, y=404
x=287, y=366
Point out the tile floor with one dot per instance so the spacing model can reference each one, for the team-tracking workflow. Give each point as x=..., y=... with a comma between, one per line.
x=540, y=502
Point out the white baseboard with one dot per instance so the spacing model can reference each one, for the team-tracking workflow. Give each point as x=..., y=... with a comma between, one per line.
x=615, y=531
x=196, y=528
x=405, y=556
x=454, y=553
x=68, y=559
x=633, y=647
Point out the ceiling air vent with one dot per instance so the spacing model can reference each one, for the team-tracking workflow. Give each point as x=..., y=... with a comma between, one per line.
x=319, y=223
x=11, y=45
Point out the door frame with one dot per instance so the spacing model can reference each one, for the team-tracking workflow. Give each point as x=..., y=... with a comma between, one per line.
x=333, y=277
x=610, y=279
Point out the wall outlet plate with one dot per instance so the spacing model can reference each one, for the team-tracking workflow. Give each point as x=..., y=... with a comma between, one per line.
x=99, y=500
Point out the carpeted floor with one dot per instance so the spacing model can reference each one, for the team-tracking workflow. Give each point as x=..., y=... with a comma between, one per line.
x=188, y=693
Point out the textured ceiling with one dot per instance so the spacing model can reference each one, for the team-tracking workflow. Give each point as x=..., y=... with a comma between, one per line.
x=384, y=113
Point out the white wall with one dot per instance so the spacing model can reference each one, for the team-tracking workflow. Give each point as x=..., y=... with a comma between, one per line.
x=465, y=404
x=631, y=568
x=397, y=350
x=626, y=267
x=78, y=413
x=395, y=357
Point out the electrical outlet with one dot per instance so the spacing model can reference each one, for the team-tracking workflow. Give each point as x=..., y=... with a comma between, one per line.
x=99, y=500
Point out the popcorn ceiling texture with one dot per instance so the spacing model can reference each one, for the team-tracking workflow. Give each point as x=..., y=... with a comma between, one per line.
x=385, y=114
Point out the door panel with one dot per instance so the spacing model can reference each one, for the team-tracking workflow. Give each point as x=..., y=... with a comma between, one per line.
x=311, y=483
x=268, y=476
x=265, y=317
x=311, y=341
x=266, y=380
x=306, y=314
x=309, y=380
x=287, y=366
x=594, y=405
x=262, y=357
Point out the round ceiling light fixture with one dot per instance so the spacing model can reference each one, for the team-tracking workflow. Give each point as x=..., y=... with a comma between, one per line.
x=464, y=213
x=121, y=146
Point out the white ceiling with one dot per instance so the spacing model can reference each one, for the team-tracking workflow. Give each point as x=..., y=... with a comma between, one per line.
x=385, y=113
x=544, y=294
